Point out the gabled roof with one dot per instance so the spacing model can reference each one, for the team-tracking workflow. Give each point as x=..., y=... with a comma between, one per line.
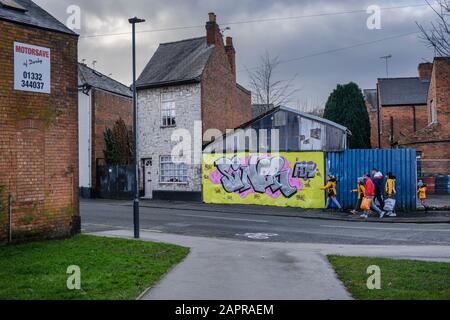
x=315, y=118
x=288, y=109
x=403, y=91
x=371, y=96
x=176, y=63
x=299, y=113
x=259, y=109
x=28, y=13
x=93, y=78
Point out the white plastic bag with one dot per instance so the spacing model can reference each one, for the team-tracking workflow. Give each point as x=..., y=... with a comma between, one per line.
x=389, y=205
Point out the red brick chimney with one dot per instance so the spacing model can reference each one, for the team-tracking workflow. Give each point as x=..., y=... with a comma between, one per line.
x=231, y=53
x=425, y=70
x=213, y=35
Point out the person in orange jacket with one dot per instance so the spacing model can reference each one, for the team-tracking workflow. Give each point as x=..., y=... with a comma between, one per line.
x=330, y=187
x=422, y=192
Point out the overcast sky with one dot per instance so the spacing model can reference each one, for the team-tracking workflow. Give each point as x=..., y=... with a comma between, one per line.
x=290, y=39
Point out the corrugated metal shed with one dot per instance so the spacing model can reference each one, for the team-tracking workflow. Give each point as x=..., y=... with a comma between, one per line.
x=347, y=166
x=297, y=131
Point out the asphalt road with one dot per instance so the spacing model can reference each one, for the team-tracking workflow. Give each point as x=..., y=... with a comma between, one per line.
x=101, y=215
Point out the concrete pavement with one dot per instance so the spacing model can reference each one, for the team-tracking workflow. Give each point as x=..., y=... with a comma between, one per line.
x=238, y=270
x=242, y=270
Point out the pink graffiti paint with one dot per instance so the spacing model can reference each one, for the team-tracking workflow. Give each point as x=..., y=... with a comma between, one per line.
x=245, y=194
x=295, y=182
x=215, y=177
x=273, y=195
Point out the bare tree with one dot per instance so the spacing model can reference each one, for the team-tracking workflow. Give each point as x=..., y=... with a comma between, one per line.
x=266, y=89
x=311, y=106
x=439, y=35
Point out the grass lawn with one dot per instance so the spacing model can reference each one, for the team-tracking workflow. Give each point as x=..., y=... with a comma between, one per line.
x=110, y=268
x=400, y=279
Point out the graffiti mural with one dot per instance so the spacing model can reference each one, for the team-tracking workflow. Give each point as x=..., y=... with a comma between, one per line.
x=287, y=179
x=257, y=174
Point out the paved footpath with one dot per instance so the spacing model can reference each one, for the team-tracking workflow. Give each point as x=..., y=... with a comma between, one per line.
x=243, y=270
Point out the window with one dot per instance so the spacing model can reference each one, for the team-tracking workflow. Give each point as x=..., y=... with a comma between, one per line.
x=172, y=172
x=280, y=119
x=168, y=111
x=433, y=112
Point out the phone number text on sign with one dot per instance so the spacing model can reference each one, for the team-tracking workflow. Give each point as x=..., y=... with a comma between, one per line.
x=31, y=68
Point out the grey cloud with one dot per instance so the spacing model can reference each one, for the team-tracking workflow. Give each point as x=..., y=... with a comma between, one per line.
x=288, y=39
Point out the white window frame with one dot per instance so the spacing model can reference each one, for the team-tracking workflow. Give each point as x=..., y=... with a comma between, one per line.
x=168, y=110
x=171, y=172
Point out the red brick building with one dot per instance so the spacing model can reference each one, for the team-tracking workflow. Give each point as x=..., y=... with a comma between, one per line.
x=38, y=122
x=189, y=85
x=398, y=108
x=432, y=141
x=102, y=101
x=415, y=113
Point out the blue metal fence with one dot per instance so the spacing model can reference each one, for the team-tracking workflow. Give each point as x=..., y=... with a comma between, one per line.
x=347, y=166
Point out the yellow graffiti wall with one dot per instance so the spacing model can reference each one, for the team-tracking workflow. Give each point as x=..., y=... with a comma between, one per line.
x=287, y=179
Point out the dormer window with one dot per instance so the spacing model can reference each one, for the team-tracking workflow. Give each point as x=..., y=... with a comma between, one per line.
x=13, y=5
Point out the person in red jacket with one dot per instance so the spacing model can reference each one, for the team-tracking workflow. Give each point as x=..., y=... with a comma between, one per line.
x=370, y=193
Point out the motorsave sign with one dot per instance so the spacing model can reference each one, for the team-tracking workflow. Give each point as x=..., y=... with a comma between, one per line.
x=31, y=68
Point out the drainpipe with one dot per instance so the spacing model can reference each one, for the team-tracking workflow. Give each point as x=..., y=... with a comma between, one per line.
x=10, y=203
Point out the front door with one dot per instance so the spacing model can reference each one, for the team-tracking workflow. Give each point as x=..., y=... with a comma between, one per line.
x=148, y=179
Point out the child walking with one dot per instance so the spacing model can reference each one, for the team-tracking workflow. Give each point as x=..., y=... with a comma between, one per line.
x=390, y=194
x=361, y=189
x=330, y=187
x=422, y=192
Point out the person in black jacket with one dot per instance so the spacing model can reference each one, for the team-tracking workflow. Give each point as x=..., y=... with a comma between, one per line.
x=378, y=182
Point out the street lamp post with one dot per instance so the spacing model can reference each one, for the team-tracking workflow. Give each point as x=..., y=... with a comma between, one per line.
x=133, y=22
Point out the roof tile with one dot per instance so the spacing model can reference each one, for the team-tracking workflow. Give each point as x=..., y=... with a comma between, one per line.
x=403, y=91
x=88, y=76
x=33, y=16
x=176, y=62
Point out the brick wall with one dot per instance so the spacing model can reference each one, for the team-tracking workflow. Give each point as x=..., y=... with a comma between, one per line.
x=39, y=140
x=107, y=109
x=403, y=120
x=244, y=99
x=373, y=118
x=440, y=93
x=436, y=157
x=433, y=141
x=224, y=106
x=425, y=70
